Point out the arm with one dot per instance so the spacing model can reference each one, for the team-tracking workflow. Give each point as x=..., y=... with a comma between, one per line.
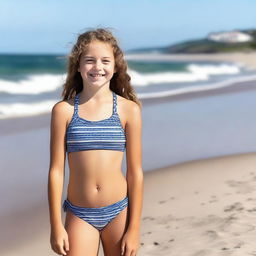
x=134, y=177
x=56, y=174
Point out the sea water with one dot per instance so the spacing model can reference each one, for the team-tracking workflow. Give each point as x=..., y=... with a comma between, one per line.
x=32, y=84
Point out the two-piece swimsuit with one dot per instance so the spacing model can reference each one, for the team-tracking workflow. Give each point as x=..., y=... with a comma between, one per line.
x=106, y=134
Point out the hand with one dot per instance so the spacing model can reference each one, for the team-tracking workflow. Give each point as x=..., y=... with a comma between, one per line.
x=130, y=243
x=59, y=240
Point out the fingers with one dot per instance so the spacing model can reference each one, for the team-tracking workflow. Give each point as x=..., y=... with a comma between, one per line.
x=133, y=253
x=125, y=251
x=122, y=248
x=66, y=244
x=129, y=252
x=59, y=248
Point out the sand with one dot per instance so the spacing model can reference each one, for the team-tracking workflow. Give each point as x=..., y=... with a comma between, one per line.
x=201, y=208
x=198, y=208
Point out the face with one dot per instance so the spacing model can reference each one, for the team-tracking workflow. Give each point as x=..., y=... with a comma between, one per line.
x=97, y=64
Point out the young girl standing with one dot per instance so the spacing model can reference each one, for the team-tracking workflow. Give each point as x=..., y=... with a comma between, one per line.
x=98, y=120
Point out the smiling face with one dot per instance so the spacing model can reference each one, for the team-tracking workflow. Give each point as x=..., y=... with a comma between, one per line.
x=97, y=64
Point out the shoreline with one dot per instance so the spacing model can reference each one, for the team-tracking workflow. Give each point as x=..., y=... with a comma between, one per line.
x=40, y=121
x=247, y=59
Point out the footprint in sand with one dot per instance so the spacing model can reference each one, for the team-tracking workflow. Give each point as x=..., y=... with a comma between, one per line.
x=239, y=245
x=234, y=207
x=213, y=199
x=201, y=253
x=242, y=187
x=148, y=218
x=165, y=219
x=211, y=234
x=235, y=226
x=252, y=210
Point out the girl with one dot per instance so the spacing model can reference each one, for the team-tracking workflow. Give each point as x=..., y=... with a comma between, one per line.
x=98, y=119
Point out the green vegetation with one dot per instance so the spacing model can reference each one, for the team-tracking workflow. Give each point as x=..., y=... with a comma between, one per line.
x=207, y=46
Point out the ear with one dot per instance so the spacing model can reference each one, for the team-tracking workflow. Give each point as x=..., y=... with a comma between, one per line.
x=78, y=69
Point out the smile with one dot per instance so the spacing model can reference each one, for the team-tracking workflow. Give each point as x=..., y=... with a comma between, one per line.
x=96, y=75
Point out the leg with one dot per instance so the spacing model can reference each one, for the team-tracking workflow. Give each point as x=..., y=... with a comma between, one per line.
x=83, y=237
x=111, y=235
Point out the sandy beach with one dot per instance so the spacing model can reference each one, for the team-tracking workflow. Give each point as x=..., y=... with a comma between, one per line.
x=198, y=208
x=202, y=203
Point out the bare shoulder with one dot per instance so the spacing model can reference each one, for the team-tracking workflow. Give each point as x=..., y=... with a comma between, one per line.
x=129, y=108
x=63, y=110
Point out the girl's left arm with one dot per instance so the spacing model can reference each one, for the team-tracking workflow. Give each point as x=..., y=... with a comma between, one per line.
x=134, y=174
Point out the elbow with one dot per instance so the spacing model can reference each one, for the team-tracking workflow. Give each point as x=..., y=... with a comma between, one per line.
x=135, y=173
x=54, y=171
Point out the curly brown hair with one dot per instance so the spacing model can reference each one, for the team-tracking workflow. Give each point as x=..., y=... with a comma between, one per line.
x=120, y=82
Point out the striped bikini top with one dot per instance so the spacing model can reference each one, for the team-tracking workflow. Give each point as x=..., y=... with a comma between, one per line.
x=83, y=134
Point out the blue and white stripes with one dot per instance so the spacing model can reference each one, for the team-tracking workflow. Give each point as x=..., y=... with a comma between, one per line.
x=84, y=134
x=97, y=217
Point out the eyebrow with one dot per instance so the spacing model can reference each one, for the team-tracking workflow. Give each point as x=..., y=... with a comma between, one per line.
x=87, y=56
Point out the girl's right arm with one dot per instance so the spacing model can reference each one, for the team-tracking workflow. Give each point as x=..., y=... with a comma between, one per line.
x=59, y=238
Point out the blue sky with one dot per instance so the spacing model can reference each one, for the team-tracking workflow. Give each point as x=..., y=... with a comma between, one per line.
x=51, y=26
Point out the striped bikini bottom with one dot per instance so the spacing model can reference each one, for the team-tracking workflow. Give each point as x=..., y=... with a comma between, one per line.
x=98, y=217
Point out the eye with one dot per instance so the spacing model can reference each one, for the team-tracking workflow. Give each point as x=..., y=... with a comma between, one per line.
x=106, y=61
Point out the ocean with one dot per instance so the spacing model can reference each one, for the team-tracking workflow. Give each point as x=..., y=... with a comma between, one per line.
x=32, y=84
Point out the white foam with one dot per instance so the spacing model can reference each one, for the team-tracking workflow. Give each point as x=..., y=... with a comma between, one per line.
x=195, y=73
x=209, y=69
x=28, y=109
x=194, y=88
x=25, y=109
x=34, y=84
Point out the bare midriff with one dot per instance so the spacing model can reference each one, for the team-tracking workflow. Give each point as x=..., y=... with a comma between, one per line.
x=96, y=178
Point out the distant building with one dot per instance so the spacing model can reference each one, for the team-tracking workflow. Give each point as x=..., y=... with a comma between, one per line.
x=230, y=37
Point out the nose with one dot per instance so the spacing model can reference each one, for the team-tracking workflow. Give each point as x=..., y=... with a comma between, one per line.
x=98, y=64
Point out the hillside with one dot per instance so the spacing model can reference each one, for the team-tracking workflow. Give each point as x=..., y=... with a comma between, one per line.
x=206, y=46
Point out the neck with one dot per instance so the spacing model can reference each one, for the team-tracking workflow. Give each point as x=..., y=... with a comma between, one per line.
x=100, y=94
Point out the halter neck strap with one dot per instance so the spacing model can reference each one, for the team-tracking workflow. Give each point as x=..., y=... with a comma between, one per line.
x=76, y=103
x=114, y=103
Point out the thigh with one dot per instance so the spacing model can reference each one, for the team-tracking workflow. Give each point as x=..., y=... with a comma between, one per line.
x=83, y=238
x=111, y=235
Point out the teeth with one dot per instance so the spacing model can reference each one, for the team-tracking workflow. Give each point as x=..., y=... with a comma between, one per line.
x=97, y=75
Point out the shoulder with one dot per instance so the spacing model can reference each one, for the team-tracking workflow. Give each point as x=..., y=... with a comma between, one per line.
x=129, y=107
x=63, y=109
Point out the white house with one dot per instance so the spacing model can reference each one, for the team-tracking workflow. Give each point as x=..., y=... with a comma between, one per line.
x=230, y=37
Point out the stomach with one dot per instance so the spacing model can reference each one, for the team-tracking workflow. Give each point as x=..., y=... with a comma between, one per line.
x=96, y=178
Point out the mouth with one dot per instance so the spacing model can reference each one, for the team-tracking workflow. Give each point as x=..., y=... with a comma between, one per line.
x=96, y=75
